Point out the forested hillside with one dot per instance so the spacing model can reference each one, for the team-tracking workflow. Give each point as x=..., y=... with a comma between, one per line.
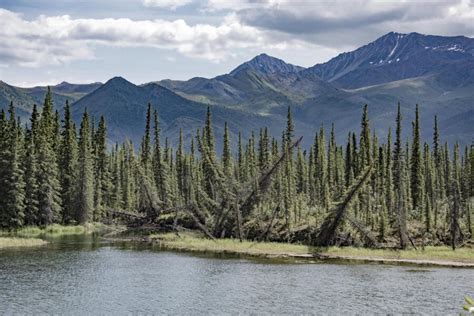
x=367, y=190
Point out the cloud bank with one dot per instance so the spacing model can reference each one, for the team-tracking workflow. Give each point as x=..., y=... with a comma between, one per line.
x=243, y=25
x=59, y=39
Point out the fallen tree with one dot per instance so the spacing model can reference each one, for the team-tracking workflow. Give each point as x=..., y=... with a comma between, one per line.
x=332, y=221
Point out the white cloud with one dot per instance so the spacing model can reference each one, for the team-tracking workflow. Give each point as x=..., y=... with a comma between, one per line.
x=169, y=4
x=342, y=24
x=61, y=39
x=286, y=26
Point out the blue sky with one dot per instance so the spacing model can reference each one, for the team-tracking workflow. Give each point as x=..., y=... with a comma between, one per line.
x=46, y=42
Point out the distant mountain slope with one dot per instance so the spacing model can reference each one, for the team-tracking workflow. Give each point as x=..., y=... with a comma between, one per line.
x=394, y=56
x=23, y=102
x=265, y=64
x=263, y=85
x=124, y=105
x=448, y=93
x=258, y=81
x=24, y=98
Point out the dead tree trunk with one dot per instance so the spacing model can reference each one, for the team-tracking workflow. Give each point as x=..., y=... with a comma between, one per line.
x=265, y=233
x=363, y=230
x=264, y=182
x=149, y=201
x=331, y=222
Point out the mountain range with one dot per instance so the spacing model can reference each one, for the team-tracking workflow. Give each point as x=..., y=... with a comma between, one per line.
x=435, y=72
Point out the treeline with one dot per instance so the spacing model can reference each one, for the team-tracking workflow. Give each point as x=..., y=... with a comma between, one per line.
x=400, y=192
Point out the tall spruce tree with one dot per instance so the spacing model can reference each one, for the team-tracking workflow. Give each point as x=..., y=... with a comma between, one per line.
x=160, y=167
x=365, y=156
x=48, y=170
x=399, y=181
x=85, y=185
x=12, y=191
x=30, y=169
x=226, y=153
x=68, y=166
x=145, y=146
x=103, y=186
x=416, y=177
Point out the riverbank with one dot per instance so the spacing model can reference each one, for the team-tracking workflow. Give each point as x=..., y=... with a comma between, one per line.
x=15, y=242
x=430, y=256
x=33, y=236
x=57, y=230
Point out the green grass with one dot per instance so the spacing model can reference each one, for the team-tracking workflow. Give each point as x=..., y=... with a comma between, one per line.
x=55, y=230
x=13, y=242
x=195, y=242
x=442, y=253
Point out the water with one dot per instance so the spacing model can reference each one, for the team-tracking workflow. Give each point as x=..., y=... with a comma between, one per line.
x=82, y=275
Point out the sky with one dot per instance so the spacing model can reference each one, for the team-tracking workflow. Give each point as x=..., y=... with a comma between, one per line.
x=46, y=42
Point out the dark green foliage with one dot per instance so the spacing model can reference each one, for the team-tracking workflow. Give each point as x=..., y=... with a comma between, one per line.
x=416, y=178
x=399, y=182
x=12, y=186
x=102, y=179
x=226, y=154
x=85, y=184
x=68, y=166
x=49, y=187
x=365, y=156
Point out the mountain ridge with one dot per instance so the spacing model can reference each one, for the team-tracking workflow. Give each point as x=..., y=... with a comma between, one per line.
x=434, y=71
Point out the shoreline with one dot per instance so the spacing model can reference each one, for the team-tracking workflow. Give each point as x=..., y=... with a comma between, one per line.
x=194, y=242
x=19, y=242
x=258, y=250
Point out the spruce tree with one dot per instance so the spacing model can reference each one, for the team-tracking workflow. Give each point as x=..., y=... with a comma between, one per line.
x=68, y=166
x=180, y=163
x=349, y=163
x=226, y=153
x=85, y=186
x=48, y=171
x=160, y=168
x=145, y=146
x=242, y=174
x=103, y=186
x=207, y=149
x=116, y=179
x=416, y=177
x=30, y=169
x=365, y=156
x=389, y=199
x=399, y=181
x=12, y=184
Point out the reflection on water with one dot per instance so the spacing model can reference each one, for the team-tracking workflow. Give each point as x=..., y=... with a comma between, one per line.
x=86, y=275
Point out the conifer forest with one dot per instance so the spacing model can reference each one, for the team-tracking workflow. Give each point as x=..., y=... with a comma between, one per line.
x=369, y=191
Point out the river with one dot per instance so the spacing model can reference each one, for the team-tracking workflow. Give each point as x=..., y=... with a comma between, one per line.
x=86, y=275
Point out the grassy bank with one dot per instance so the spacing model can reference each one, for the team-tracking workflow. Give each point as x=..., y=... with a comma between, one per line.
x=13, y=242
x=429, y=256
x=441, y=253
x=193, y=242
x=56, y=230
